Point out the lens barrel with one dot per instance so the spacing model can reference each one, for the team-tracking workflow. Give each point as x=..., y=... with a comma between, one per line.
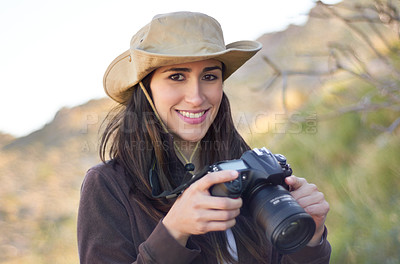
x=287, y=226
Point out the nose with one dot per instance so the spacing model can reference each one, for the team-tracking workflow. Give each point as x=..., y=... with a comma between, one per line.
x=194, y=95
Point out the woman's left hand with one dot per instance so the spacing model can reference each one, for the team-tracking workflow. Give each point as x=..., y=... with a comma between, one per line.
x=313, y=201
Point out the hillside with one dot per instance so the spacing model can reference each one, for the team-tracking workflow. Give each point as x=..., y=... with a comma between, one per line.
x=338, y=126
x=5, y=139
x=302, y=59
x=41, y=176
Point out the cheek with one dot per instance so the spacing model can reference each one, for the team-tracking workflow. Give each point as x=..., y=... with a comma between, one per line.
x=164, y=99
x=216, y=98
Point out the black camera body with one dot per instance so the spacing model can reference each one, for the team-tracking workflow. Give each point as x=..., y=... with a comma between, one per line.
x=261, y=184
x=256, y=168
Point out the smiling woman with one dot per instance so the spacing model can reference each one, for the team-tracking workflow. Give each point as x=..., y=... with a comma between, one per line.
x=170, y=87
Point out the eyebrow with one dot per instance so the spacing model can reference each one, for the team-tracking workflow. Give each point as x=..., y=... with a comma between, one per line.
x=206, y=69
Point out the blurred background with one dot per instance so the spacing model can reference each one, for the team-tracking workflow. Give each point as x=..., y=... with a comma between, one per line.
x=324, y=91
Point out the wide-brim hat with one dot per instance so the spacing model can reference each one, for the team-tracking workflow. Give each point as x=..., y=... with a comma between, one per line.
x=169, y=39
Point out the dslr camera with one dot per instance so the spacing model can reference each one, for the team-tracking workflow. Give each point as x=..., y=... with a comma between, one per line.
x=261, y=184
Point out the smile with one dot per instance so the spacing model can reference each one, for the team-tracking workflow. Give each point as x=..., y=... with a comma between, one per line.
x=192, y=115
x=193, y=118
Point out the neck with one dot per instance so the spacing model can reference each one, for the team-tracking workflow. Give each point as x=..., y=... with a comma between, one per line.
x=186, y=147
x=187, y=154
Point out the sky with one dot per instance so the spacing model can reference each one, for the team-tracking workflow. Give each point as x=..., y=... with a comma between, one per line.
x=53, y=53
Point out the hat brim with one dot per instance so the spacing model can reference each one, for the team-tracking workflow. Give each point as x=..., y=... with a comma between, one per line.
x=123, y=73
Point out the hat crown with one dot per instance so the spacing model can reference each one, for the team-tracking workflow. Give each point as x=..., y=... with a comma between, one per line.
x=180, y=34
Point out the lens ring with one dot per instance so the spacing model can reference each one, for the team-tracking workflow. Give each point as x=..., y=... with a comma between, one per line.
x=293, y=233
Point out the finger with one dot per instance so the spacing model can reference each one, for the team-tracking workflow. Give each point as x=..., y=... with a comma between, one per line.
x=320, y=209
x=313, y=198
x=214, y=178
x=222, y=203
x=217, y=203
x=295, y=182
x=305, y=190
x=220, y=215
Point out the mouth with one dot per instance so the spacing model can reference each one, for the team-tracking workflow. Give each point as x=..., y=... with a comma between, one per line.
x=191, y=114
x=193, y=117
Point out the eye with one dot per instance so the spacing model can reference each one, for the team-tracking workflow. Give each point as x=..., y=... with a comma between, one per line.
x=210, y=77
x=177, y=77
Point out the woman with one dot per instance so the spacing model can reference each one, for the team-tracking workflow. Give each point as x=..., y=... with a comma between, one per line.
x=175, y=119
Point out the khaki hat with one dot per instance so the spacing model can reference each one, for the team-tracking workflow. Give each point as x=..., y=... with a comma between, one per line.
x=169, y=39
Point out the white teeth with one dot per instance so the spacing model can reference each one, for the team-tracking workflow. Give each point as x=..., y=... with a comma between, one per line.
x=192, y=115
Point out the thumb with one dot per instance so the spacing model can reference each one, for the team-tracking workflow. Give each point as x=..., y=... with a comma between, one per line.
x=294, y=182
x=214, y=178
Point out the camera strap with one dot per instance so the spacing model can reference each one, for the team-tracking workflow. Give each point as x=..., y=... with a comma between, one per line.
x=156, y=188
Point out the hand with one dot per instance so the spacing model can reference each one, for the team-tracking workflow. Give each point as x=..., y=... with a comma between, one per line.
x=197, y=212
x=313, y=202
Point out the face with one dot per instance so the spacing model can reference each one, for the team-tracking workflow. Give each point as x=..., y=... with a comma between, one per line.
x=187, y=97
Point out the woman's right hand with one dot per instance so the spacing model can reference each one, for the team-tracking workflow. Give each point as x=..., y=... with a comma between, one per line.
x=196, y=212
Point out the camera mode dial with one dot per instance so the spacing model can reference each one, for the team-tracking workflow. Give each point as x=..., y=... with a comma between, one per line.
x=287, y=170
x=232, y=189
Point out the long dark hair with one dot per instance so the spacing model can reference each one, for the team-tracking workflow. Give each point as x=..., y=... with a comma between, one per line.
x=134, y=138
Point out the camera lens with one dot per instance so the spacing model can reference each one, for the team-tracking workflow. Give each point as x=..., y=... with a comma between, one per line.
x=294, y=233
x=291, y=231
x=286, y=224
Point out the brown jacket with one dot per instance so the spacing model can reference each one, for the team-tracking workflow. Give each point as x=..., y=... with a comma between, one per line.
x=113, y=229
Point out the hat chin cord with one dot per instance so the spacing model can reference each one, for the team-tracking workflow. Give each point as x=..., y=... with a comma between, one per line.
x=152, y=106
x=189, y=166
